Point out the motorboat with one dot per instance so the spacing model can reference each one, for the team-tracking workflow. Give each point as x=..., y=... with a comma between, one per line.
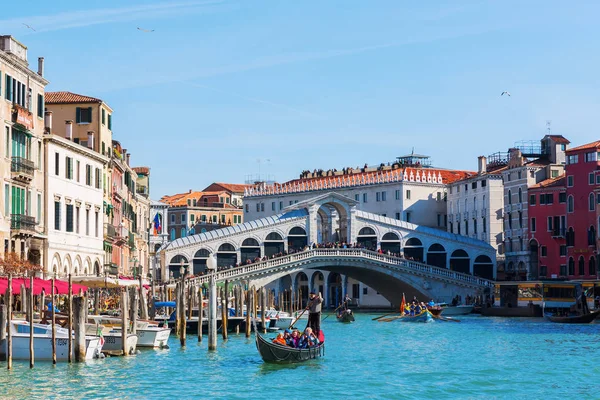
x=279, y=319
x=42, y=342
x=108, y=329
x=461, y=309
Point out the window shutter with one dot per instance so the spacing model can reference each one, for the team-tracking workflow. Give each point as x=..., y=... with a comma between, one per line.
x=78, y=115
x=90, y=111
x=9, y=88
x=109, y=121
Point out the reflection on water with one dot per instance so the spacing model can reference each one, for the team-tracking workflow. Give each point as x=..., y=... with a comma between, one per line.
x=479, y=357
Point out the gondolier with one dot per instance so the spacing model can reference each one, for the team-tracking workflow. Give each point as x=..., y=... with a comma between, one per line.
x=314, y=312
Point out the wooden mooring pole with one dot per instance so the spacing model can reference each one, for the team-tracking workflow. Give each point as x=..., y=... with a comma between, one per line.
x=79, y=306
x=124, y=322
x=9, y=294
x=2, y=332
x=30, y=312
x=70, y=319
x=53, y=321
x=200, y=312
x=263, y=318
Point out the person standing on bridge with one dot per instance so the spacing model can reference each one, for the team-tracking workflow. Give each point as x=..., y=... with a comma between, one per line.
x=314, y=312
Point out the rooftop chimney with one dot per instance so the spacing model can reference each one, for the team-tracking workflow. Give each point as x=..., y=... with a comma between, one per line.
x=48, y=121
x=127, y=156
x=481, y=164
x=90, y=142
x=69, y=131
x=41, y=66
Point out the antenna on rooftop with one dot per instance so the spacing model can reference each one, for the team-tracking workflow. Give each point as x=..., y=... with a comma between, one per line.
x=548, y=126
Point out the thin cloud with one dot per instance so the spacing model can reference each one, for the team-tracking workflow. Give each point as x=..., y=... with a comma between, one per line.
x=82, y=18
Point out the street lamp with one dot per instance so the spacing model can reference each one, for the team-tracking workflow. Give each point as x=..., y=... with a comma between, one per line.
x=211, y=263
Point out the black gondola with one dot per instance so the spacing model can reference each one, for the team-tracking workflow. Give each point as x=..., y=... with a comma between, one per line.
x=345, y=316
x=276, y=353
x=575, y=319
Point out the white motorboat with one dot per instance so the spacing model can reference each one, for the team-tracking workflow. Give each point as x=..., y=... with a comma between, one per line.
x=448, y=310
x=113, y=342
x=152, y=335
x=279, y=319
x=42, y=342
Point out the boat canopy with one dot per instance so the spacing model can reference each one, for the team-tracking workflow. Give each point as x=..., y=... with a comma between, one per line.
x=164, y=304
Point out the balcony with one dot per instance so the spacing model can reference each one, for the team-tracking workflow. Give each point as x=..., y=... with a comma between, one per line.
x=559, y=233
x=121, y=235
x=141, y=189
x=22, y=224
x=110, y=231
x=22, y=169
x=111, y=269
x=131, y=241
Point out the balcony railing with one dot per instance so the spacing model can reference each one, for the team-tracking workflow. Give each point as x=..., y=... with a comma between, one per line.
x=110, y=231
x=22, y=222
x=111, y=269
x=22, y=167
x=143, y=190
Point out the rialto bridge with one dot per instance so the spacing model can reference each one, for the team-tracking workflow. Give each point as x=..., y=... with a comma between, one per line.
x=393, y=257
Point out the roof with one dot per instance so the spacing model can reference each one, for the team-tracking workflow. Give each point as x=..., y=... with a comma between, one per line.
x=181, y=199
x=141, y=170
x=68, y=98
x=588, y=146
x=493, y=170
x=232, y=187
x=538, y=162
x=559, y=139
x=559, y=181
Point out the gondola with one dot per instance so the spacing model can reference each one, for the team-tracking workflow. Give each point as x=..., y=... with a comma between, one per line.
x=276, y=353
x=345, y=316
x=574, y=319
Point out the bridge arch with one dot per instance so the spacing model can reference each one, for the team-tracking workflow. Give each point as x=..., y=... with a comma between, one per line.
x=274, y=243
x=367, y=237
x=301, y=284
x=199, y=261
x=250, y=249
x=413, y=249
x=297, y=238
x=227, y=255
x=332, y=217
x=317, y=282
x=460, y=261
x=436, y=255
x=483, y=267
x=176, y=263
x=391, y=241
x=334, y=283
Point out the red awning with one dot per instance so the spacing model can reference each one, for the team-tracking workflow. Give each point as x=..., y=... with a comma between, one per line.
x=60, y=287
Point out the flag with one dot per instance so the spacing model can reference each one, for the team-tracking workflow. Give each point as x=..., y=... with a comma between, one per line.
x=403, y=304
x=157, y=227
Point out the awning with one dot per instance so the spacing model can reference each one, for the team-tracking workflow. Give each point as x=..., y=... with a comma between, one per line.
x=103, y=282
x=60, y=287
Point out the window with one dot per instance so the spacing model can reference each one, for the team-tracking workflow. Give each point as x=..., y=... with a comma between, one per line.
x=364, y=197
x=592, y=202
x=592, y=266
x=273, y=206
x=598, y=179
x=549, y=224
x=192, y=217
x=573, y=159
x=570, y=204
x=563, y=270
x=98, y=184
x=6, y=199
x=77, y=215
x=87, y=222
x=110, y=122
x=474, y=226
x=520, y=195
x=173, y=218
x=365, y=290
x=377, y=196
x=262, y=206
x=581, y=265
x=40, y=106
x=543, y=270
x=183, y=218
x=103, y=117
x=183, y=232
x=532, y=199
x=83, y=115
x=172, y=229
x=408, y=194
x=69, y=217
x=214, y=218
x=222, y=218
x=39, y=208
x=570, y=181
x=96, y=224
x=39, y=155
x=509, y=221
x=509, y=197
x=281, y=205
x=398, y=193
x=562, y=197
x=542, y=199
x=383, y=196
x=590, y=157
x=544, y=251
x=591, y=178
x=474, y=185
x=357, y=197
x=549, y=198
x=484, y=224
x=439, y=220
x=483, y=183
x=519, y=175
x=7, y=144
x=57, y=215
x=397, y=215
x=438, y=196
x=247, y=208
x=408, y=215
x=56, y=164
x=554, y=173
x=88, y=175
x=533, y=225
x=562, y=250
x=466, y=226
x=69, y=167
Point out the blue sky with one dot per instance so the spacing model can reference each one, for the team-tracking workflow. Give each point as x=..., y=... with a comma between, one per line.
x=220, y=85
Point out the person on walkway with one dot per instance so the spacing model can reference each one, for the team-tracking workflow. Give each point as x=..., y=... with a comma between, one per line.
x=314, y=312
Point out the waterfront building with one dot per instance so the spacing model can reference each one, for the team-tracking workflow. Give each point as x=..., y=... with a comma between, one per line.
x=159, y=234
x=527, y=164
x=197, y=212
x=22, y=126
x=141, y=203
x=74, y=195
x=475, y=206
x=583, y=162
x=235, y=190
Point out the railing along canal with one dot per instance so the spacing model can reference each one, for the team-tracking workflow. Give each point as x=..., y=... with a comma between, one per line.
x=396, y=263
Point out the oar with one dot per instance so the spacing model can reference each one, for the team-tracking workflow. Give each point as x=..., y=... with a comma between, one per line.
x=296, y=320
x=376, y=318
x=334, y=311
x=441, y=318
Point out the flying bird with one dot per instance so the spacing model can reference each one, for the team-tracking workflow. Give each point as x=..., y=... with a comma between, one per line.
x=29, y=27
x=505, y=93
x=145, y=30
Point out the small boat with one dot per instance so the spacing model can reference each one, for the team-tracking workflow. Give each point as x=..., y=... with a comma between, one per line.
x=435, y=311
x=279, y=320
x=456, y=310
x=345, y=316
x=276, y=353
x=42, y=342
x=113, y=342
x=152, y=335
x=574, y=319
x=425, y=316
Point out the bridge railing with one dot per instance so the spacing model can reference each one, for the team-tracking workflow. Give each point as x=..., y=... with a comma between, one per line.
x=394, y=262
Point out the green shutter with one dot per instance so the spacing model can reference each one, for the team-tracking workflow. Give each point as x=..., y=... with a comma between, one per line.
x=78, y=115
x=9, y=91
x=109, y=121
x=90, y=111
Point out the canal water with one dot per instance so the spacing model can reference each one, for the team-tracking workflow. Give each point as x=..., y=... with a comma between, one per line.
x=491, y=358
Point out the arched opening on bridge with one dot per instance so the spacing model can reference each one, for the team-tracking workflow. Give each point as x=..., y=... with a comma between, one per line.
x=390, y=242
x=226, y=255
x=413, y=249
x=273, y=244
x=332, y=223
x=302, y=287
x=436, y=255
x=334, y=281
x=297, y=239
x=460, y=261
x=318, y=282
x=483, y=267
x=249, y=250
x=367, y=238
x=175, y=264
x=199, y=261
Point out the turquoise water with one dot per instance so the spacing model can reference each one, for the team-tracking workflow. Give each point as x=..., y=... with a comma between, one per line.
x=489, y=358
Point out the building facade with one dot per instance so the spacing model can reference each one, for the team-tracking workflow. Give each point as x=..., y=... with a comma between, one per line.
x=22, y=99
x=74, y=218
x=159, y=234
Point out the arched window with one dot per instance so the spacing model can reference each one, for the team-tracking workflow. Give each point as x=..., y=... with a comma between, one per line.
x=570, y=204
x=366, y=232
x=592, y=236
x=172, y=234
x=390, y=236
x=581, y=265
x=297, y=231
x=520, y=195
x=592, y=266
x=226, y=247
x=183, y=232
x=592, y=202
x=466, y=206
x=483, y=202
x=250, y=242
x=474, y=203
x=571, y=266
x=273, y=236
x=509, y=197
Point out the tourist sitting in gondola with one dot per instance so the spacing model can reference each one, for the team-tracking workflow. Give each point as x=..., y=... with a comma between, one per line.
x=280, y=340
x=308, y=339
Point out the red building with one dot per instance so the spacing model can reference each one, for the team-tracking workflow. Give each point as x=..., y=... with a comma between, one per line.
x=581, y=184
x=547, y=222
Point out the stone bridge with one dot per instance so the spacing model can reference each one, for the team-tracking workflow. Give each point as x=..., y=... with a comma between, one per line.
x=414, y=260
